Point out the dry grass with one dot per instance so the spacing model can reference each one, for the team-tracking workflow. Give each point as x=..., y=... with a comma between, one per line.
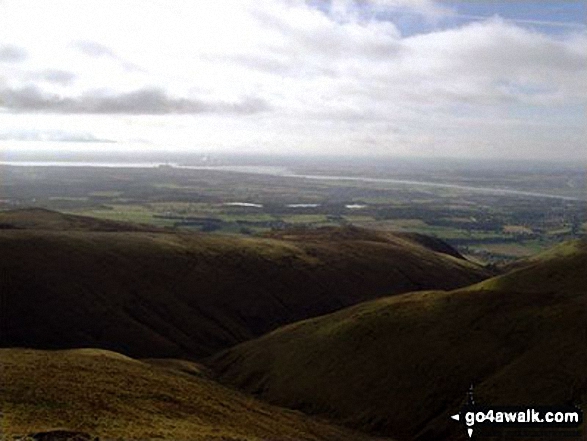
x=114, y=397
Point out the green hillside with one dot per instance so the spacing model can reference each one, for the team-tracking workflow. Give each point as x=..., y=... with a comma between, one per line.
x=401, y=365
x=111, y=396
x=69, y=281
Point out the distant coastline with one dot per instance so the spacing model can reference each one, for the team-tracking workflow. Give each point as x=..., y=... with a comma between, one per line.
x=287, y=173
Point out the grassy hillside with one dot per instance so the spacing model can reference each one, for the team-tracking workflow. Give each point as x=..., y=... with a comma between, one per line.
x=111, y=396
x=78, y=282
x=42, y=219
x=401, y=365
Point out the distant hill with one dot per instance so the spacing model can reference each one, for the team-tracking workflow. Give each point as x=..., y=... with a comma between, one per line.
x=401, y=365
x=69, y=281
x=43, y=219
x=107, y=395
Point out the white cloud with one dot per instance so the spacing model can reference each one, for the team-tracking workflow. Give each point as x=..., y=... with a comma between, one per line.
x=12, y=54
x=55, y=76
x=284, y=75
x=93, y=49
x=28, y=135
x=148, y=101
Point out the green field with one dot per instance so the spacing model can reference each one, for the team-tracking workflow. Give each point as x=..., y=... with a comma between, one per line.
x=483, y=245
x=491, y=228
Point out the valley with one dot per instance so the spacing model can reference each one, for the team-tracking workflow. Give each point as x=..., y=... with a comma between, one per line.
x=296, y=307
x=293, y=220
x=400, y=365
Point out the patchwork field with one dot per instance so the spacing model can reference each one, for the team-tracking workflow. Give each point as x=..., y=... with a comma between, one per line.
x=461, y=204
x=207, y=304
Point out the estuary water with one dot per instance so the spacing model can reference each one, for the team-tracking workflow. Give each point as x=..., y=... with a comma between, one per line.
x=287, y=173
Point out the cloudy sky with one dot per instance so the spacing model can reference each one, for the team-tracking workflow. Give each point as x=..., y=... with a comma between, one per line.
x=382, y=77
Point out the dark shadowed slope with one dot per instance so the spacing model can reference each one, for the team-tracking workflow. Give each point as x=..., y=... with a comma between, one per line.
x=43, y=219
x=111, y=396
x=65, y=282
x=401, y=365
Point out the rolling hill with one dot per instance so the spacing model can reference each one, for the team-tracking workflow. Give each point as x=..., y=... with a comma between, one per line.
x=68, y=281
x=91, y=393
x=401, y=365
x=43, y=219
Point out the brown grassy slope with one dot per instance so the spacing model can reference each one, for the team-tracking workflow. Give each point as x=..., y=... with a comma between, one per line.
x=401, y=365
x=43, y=219
x=111, y=396
x=184, y=295
x=354, y=233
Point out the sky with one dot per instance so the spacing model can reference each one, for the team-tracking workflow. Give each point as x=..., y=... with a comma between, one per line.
x=423, y=78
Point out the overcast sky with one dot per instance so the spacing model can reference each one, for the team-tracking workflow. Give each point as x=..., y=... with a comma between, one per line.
x=382, y=77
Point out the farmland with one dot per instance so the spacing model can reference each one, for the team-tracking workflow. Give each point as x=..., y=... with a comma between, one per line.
x=491, y=214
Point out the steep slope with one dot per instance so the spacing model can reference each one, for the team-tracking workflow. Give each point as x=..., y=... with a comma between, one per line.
x=401, y=365
x=108, y=395
x=65, y=282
